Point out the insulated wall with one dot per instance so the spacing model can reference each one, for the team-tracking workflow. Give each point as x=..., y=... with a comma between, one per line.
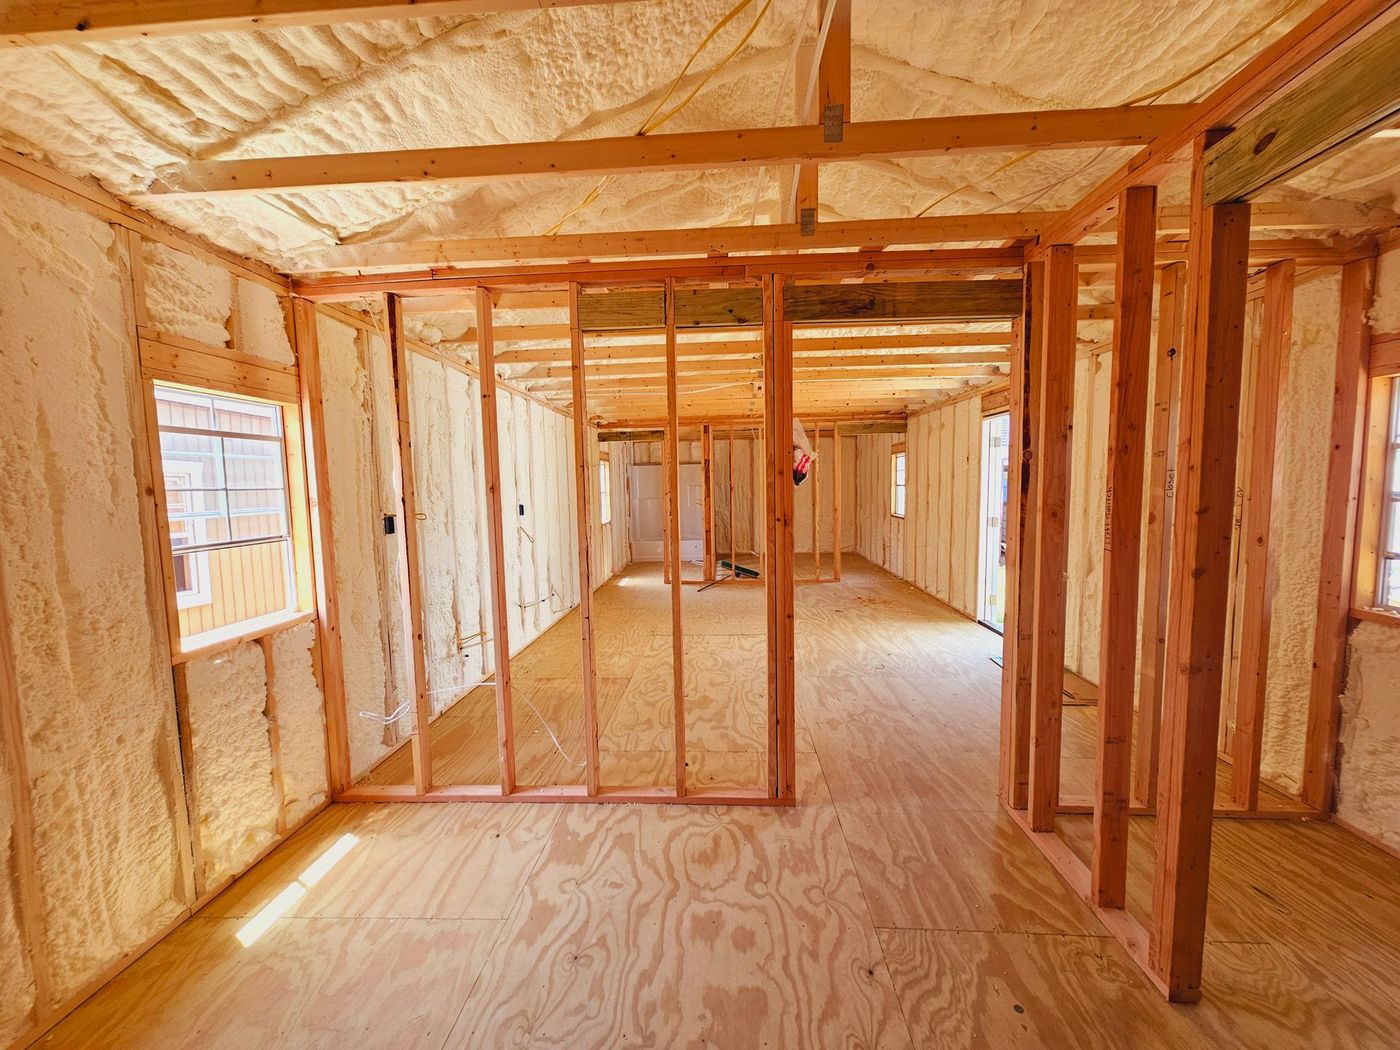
x=934, y=546
x=91, y=709
x=825, y=489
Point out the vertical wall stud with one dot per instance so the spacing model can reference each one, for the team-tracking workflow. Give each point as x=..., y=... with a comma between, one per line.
x=500, y=610
x=585, y=567
x=1127, y=439
x=1200, y=585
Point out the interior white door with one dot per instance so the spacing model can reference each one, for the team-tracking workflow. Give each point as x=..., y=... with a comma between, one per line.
x=648, y=524
x=991, y=560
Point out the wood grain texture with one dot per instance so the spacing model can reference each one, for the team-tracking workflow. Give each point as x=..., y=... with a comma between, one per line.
x=893, y=907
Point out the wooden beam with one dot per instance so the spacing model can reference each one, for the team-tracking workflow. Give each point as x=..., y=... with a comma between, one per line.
x=816, y=502
x=860, y=364
x=307, y=342
x=1338, y=535
x=1264, y=488
x=30, y=24
x=673, y=535
x=1157, y=547
x=1018, y=630
x=500, y=609
x=608, y=353
x=929, y=301
x=1055, y=402
x=923, y=301
x=1337, y=105
x=683, y=151
x=1211, y=374
x=777, y=237
x=410, y=569
x=1127, y=426
x=1328, y=27
x=583, y=479
x=865, y=265
x=786, y=237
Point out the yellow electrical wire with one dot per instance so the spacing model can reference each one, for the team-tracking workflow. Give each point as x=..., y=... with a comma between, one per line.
x=1149, y=96
x=652, y=122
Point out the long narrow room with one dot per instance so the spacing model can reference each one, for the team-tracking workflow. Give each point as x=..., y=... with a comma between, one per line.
x=784, y=523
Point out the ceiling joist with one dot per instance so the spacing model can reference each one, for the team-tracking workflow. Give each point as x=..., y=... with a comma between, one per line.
x=683, y=151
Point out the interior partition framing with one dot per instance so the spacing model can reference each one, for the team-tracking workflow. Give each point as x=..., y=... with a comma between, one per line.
x=779, y=786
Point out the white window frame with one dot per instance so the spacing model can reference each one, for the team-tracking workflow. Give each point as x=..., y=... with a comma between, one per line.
x=1390, y=504
x=604, y=489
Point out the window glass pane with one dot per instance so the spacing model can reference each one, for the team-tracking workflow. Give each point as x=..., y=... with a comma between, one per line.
x=228, y=510
x=1390, y=583
x=1390, y=543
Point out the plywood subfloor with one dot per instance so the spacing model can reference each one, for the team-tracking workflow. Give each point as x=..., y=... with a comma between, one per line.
x=895, y=907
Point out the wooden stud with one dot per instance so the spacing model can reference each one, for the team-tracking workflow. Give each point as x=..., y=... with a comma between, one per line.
x=1157, y=548
x=274, y=732
x=707, y=460
x=838, y=485
x=585, y=560
x=1018, y=635
x=733, y=511
x=328, y=638
x=500, y=609
x=778, y=570
x=1265, y=485
x=159, y=559
x=410, y=569
x=28, y=887
x=1210, y=399
x=816, y=504
x=1338, y=535
x=1056, y=404
x=1122, y=542
x=673, y=534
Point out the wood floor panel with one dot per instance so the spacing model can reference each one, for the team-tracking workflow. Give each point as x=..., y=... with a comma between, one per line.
x=406, y=862
x=305, y=983
x=672, y=926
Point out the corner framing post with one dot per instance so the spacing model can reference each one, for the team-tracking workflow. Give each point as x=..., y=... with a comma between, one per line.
x=1339, y=534
x=1265, y=484
x=673, y=533
x=1056, y=404
x=584, y=484
x=500, y=610
x=1207, y=458
x=410, y=570
x=318, y=494
x=1122, y=547
x=1018, y=635
x=1157, y=549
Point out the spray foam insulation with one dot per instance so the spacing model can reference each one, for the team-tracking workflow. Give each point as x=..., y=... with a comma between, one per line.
x=95, y=692
x=235, y=805
x=187, y=296
x=300, y=719
x=358, y=537
x=104, y=109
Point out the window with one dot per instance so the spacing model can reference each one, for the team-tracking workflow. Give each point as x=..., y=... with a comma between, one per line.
x=228, y=511
x=1388, y=549
x=898, y=480
x=604, y=489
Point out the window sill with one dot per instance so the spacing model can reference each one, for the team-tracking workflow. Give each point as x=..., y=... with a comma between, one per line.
x=1390, y=619
x=262, y=628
